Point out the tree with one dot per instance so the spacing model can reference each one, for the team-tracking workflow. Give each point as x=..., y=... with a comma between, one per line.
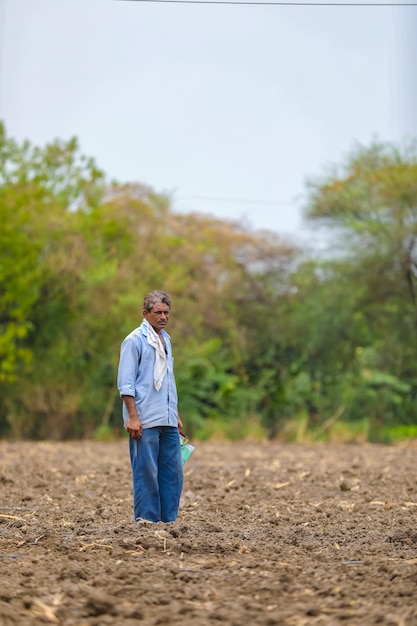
x=372, y=203
x=375, y=200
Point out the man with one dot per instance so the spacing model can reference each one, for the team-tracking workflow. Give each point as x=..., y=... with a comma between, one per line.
x=146, y=384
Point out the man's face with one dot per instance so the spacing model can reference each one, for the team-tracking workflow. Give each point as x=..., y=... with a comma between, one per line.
x=158, y=317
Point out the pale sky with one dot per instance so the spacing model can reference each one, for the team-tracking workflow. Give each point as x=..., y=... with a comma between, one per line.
x=228, y=109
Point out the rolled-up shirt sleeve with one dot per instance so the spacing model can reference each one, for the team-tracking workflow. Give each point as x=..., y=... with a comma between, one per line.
x=128, y=367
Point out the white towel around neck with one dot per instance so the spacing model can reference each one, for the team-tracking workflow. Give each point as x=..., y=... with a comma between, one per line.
x=161, y=364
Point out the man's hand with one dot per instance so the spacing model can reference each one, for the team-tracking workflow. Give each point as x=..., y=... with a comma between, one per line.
x=180, y=425
x=134, y=428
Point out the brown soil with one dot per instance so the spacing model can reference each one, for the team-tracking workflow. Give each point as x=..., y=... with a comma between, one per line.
x=267, y=534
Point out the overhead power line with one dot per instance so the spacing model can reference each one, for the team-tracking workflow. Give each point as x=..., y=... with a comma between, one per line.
x=240, y=200
x=286, y=4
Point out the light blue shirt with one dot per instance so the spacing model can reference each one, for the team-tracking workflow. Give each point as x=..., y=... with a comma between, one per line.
x=135, y=378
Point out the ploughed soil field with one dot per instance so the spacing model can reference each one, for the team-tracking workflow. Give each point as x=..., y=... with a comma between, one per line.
x=267, y=534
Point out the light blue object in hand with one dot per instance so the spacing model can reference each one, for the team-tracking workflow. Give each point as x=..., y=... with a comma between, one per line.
x=186, y=448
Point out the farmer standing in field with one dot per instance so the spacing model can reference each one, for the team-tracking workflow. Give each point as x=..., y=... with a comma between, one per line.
x=147, y=387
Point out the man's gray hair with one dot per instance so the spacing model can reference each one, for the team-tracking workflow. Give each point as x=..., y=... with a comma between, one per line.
x=154, y=297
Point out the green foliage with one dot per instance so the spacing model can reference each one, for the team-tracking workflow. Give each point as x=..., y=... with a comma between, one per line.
x=268, y=340
x=106, y=433
x=247, y=429
x=373, y=205
x=399, y=433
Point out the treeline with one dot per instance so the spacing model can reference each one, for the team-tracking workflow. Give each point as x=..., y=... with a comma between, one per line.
x=269, y=339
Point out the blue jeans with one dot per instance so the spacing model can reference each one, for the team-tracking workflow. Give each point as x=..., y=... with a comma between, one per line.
x=157, y=473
